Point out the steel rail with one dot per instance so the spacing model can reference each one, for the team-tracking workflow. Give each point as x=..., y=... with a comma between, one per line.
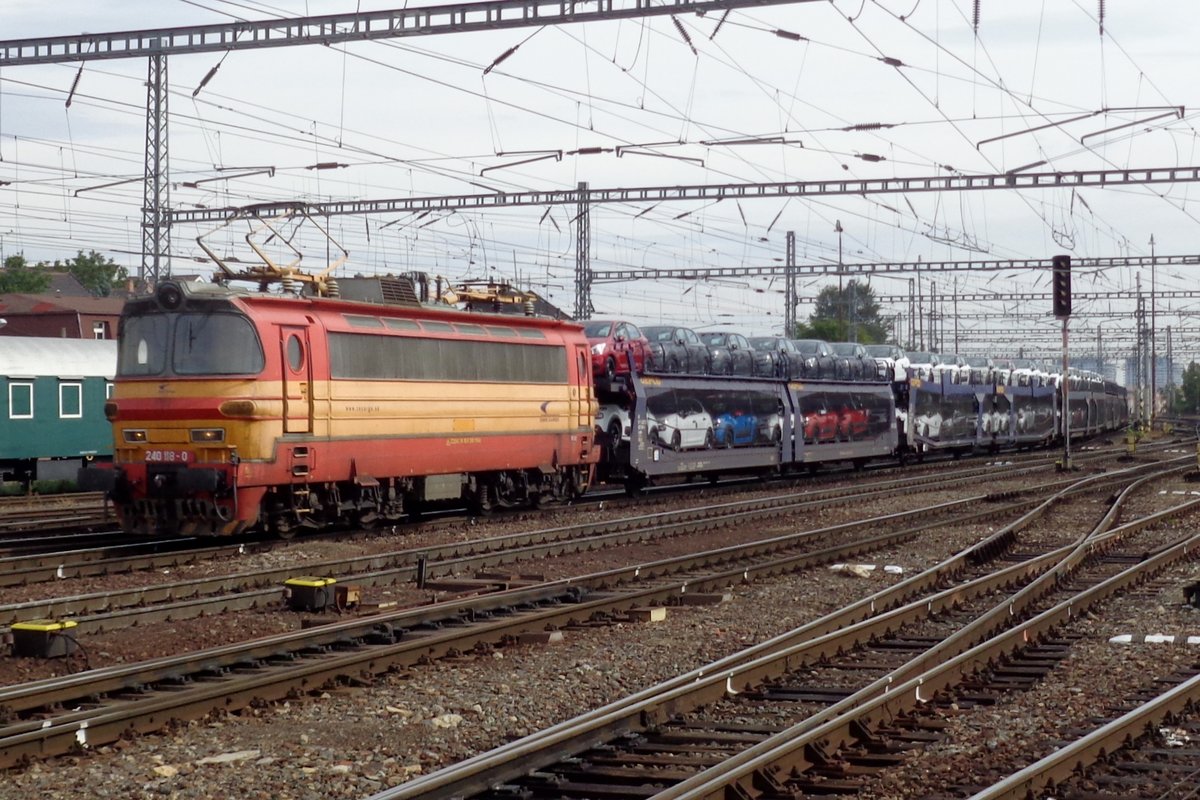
x=453, y=557
x=1045, y=774
x=51, y=736
x=715, y=680
x=32, y=695
x=798, y=748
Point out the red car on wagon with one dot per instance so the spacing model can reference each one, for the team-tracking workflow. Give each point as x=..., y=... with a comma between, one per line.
x=615, y=344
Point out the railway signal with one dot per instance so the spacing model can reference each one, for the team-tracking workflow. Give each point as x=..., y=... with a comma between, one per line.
x=1061, y=292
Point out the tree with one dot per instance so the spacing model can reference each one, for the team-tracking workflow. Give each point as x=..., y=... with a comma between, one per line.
x=1188, y=399
x=18, y=276
x=841, y=315
x=97, y=274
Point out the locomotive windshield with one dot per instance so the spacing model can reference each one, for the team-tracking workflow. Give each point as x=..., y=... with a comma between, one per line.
x=189, y=344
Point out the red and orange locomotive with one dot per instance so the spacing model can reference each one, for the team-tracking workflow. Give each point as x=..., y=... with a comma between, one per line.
x=236, y=410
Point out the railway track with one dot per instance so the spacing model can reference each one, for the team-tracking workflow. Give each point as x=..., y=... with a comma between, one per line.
x=111, y=610
x=143, y=697
x=813, y=712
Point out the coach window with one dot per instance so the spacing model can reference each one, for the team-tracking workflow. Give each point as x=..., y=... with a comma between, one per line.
x=20, y=401
x=108, y=390
x=70, y=400
x=295, y=353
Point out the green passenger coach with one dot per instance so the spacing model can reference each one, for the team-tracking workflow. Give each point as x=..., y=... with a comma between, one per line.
x=52, y=395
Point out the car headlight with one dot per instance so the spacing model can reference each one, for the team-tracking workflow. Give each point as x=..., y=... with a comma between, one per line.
x=598, y=349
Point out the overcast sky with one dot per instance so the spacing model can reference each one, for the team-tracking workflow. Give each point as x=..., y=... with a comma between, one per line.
x=421, y=117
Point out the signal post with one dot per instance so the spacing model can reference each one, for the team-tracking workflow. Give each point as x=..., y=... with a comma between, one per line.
x=1061, y=295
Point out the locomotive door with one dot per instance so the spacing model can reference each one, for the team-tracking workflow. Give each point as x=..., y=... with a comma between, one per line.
x=297, y=379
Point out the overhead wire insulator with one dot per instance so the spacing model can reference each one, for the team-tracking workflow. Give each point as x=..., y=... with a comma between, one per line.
x=975, y=16
x=1101, y=15
x=207, y=77
x=74, y=85
x=683, y=32
x=795, y=37
x=500, y=58
x=720, y=22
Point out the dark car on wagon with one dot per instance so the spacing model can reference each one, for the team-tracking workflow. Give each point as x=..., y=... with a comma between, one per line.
x=785, y=357
x=734, y=349
x=676, y=349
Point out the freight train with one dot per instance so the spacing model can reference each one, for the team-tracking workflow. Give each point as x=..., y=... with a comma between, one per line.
x=236, y=410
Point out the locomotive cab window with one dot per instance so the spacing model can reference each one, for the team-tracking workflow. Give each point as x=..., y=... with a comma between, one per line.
x=143, y=347
x=198, y=344
x=216, y=344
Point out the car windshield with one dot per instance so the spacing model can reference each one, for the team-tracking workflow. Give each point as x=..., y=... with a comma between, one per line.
x=922, y=358
x=717, y=339
x=764, y=343
x=845, y=348
x=808, y=345
x=596, y=330
x=656, y=334
x=884, y=351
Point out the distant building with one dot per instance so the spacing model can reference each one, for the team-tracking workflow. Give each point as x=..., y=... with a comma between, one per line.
x=60, y=315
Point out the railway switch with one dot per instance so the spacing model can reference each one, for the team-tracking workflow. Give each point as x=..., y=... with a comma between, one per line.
x=43, y=638
x=309, y=593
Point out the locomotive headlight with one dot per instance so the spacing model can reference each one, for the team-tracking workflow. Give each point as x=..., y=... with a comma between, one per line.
x=135, y=436
x=208, y=435
x=598, y=349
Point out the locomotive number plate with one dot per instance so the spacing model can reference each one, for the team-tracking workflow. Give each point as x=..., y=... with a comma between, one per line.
x=168, y=456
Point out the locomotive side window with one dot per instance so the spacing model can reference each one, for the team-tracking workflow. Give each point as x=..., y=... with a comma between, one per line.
x=216, y=344
x=143, y=347
x=295, y=353
x=385, y=358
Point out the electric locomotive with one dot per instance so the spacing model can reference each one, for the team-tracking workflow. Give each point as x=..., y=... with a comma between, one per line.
x=237, y=410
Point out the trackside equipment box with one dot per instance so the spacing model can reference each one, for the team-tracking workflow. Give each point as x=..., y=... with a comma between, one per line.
x=43, y=638
x=309, y=593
